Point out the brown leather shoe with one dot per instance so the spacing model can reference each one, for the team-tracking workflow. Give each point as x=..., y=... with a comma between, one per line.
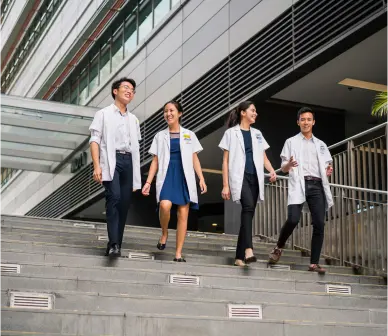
x=317, y=268
x=275, y=255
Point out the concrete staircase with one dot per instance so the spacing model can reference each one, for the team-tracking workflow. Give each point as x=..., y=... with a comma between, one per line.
x=55, y=281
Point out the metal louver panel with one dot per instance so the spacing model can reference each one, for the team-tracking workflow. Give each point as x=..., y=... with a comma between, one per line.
x=245, y=311
x=338, y=289
x=31, y=300
x=10, y=269
x=178, y=279
x=261, y=59
x=317, y=23
x=71, y=193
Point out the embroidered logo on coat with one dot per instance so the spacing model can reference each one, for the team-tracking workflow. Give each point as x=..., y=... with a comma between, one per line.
x=322, y=149
x=186, y=137
x=259, y=138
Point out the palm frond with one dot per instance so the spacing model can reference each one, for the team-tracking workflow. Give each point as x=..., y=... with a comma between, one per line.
x=379, y=107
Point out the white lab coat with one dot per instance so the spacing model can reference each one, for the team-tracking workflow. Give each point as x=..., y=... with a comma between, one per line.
x=233, y=142
x=296, y=182
x=105, y=125
x=189, y=145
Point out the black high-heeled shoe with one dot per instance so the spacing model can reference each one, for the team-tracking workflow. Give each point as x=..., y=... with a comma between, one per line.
x=179, y=259
x=161, y=246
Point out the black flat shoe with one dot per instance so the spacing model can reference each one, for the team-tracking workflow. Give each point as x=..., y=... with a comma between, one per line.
x=161, y=246
x=179, y=260
x=249, y=260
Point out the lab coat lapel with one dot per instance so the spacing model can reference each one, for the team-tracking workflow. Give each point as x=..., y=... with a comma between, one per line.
x=240, y=137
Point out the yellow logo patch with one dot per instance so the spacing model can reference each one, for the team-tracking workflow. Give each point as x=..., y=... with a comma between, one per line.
x=186, y=136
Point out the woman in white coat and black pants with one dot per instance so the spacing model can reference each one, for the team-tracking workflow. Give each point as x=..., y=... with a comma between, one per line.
x=243, y=172
x=175, y=159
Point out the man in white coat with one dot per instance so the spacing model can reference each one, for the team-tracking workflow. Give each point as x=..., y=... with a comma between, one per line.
x=308, y=162
x=114, y=145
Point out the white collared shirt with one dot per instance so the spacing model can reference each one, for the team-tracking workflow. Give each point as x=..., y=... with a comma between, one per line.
x=122, y=135
x=310, y=157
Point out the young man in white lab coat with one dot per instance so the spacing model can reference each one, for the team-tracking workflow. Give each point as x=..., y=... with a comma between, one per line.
x=308, y=162
x=114, y=145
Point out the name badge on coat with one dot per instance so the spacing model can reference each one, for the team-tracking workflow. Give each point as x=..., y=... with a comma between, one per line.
x=259, y=138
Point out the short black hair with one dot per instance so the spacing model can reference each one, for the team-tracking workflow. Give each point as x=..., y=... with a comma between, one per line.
x=116, y=84
x=305, y=109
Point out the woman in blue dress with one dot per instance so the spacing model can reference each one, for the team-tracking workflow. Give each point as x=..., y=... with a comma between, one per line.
x=175, y=161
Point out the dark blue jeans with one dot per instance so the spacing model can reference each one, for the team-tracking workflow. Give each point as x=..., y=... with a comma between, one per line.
x=315, y=198
x=118, y=197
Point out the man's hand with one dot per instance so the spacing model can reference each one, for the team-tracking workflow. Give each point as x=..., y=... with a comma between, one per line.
x=292, y=163
x=97, y=174
x=329, y=170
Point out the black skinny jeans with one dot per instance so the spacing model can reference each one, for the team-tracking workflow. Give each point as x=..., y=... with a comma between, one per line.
x=315, y=198
x=249, y=195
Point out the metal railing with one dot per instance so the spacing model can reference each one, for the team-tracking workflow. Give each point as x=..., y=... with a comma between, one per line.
x=355, y=227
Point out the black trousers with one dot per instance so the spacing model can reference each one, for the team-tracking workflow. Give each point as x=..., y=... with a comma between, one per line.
x=118, y=194
x=315, y=198
x=249, y=195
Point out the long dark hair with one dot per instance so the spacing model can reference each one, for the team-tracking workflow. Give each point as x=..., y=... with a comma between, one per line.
x=235, y=115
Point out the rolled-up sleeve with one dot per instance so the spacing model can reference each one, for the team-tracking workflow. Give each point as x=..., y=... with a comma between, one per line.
x=96, y=128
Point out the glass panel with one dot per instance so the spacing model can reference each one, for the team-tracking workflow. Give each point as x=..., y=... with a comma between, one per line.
x=105, y=62
x=93, y=75
x=117, y=48
x=66, y=93
x=83, y=87
x=161, y=9
x=74, y=92
x=145, y=19
x=130, y=35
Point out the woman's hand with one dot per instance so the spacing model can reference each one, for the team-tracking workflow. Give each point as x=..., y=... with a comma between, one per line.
x=225, y=193
x=203, y=186
x=272, y=177
x=146, y=189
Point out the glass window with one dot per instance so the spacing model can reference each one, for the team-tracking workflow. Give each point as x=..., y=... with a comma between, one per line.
x=66, y=93
x=161, y=9
x=83, y=87
x=130, y=35
x=145, y=19
x=93, y=76
x=74, y=92
x=117, y=48
x=105, y=62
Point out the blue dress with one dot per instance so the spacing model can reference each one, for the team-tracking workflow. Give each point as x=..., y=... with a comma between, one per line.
x=175, y=187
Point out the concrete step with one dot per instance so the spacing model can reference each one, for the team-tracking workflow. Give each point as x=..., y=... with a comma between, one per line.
x=134, y=236
x=201, y=307
x=212, y=275
x=88, y=280
x=225, y=257
x=71, y=256
x=104, y=323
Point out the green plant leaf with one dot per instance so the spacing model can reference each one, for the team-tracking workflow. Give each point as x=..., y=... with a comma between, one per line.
x=379, y=107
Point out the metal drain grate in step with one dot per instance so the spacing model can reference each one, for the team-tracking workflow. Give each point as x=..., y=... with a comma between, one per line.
x=103, y=238
x=84, y=225
x=245, y=311
x=189, y=280
x=197, y=235
x=280, y=267
x=141, y=256
x=229, y=248
x=338, y=289
x=31, y=300
x=10, y=269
